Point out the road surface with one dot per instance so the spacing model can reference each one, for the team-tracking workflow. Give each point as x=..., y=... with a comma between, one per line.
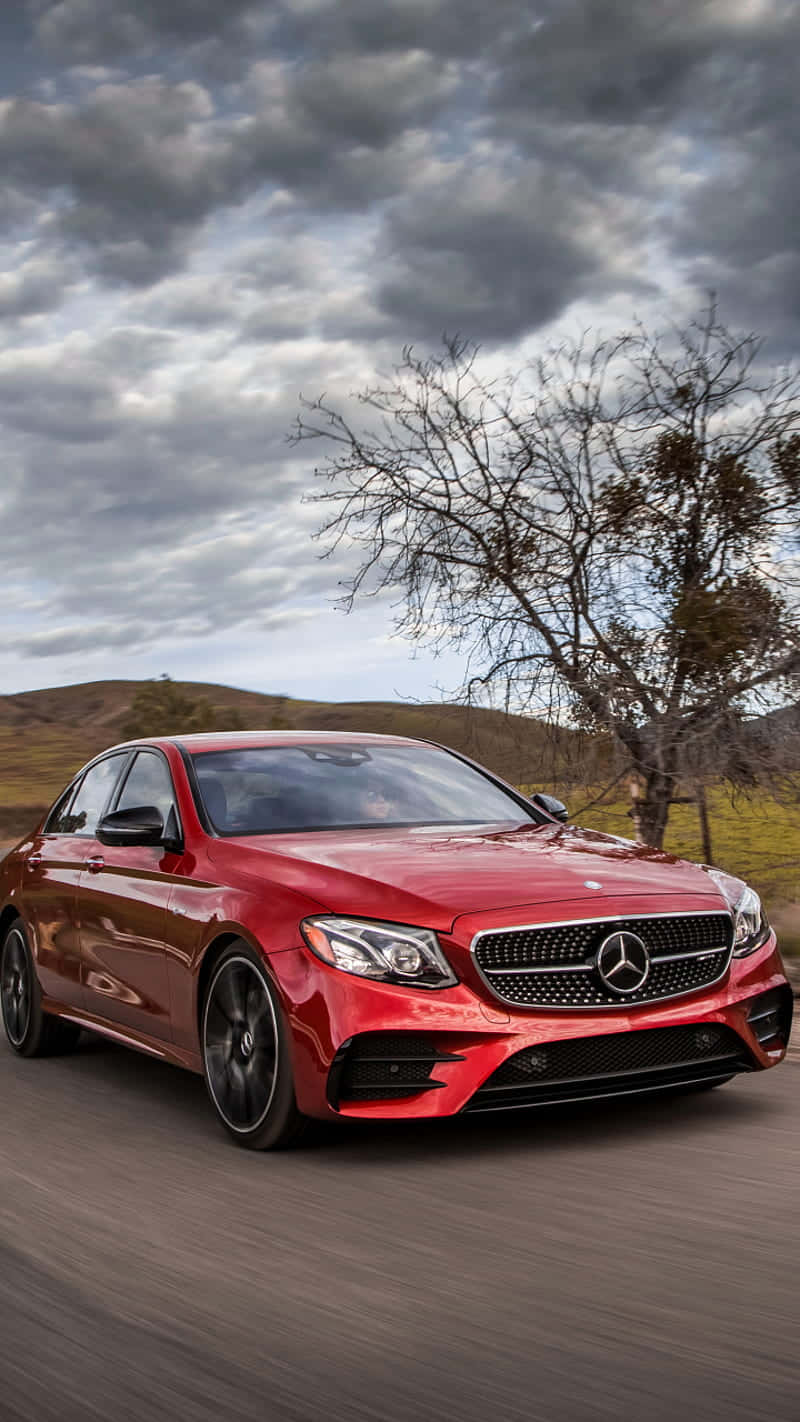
x=613, y=1262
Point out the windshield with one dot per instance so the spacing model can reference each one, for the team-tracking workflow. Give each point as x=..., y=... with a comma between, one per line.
x=266, y=789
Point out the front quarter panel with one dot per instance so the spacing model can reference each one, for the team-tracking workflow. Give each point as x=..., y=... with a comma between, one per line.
x=209, y=903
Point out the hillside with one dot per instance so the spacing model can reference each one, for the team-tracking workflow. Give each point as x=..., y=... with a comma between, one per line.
x=46, y=735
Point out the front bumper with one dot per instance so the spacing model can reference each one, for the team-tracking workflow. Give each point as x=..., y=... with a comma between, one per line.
x=335, y=1018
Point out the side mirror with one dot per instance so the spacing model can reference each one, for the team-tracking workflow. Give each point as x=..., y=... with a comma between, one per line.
x=142, y=824
x=551, y=806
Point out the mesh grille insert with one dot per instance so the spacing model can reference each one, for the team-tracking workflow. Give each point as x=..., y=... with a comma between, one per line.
x=622, y=1060
x=555, y=965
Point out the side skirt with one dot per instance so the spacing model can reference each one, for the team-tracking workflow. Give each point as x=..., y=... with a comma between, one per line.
x=127, y=1037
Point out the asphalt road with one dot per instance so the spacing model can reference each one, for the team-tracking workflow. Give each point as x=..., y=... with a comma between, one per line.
x=625, y=1262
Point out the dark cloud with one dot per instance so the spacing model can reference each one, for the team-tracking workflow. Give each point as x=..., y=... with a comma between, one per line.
x=36, y=285
x=179, y=508
x=607, y=61
x=129, y=173
x=369, y=99
x=462, y=29
x=495, y=255
x=90, y=30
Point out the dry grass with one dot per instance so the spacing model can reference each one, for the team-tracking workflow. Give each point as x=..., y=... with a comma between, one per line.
x=46, y=735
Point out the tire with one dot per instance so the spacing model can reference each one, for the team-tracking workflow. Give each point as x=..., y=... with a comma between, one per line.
x=30, y=1031
x=244, y=1042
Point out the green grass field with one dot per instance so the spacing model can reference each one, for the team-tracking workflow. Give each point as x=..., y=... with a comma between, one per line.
x=755, y=837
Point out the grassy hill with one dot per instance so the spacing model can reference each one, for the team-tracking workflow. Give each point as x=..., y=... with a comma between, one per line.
x=47, y=735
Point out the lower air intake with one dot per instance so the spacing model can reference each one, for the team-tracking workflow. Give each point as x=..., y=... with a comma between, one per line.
x=616, y=1064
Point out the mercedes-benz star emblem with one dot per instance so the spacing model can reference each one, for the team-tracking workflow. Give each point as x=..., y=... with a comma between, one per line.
x=623, y=963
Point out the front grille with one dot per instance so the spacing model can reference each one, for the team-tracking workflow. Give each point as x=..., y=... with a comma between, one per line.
x=385, y=1066
x=610, y=1065
x=555, y=965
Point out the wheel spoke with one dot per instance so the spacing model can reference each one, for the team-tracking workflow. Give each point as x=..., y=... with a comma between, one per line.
x=237, y=1092
x=258, y=1018
x=16, y=956
x=229, y=994
x=219, y=1027
x=218, y=1056
x=260, y=1086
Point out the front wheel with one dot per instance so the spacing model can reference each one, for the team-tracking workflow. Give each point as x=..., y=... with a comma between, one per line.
x=245, y=1049
x=30, y=1031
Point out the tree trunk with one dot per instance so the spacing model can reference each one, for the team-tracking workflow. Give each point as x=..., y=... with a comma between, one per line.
x=636, y=786
x=705, y=828
x=653, y=808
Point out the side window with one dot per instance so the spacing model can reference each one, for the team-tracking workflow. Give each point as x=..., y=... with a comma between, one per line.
x=59, y=821
x=93, y=794
x=148, y=783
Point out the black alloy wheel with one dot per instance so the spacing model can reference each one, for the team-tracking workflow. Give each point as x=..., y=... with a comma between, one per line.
x=15, y=987
x=245, y=1054
x=30, y=1031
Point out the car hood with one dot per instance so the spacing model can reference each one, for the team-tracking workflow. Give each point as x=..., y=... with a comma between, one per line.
x=434, y=875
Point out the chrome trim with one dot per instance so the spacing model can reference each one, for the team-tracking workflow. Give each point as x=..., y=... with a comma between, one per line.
x=556, y=968
x=587, y=967
x=684, y=957
x=599, y=919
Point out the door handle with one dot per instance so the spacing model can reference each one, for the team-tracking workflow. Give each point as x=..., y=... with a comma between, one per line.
x=33, y=861
x=95, y=864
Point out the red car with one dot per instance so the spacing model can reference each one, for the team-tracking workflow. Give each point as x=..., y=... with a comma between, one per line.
x=332, y=925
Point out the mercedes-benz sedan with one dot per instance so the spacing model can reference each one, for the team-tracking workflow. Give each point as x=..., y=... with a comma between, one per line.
x=338, y=925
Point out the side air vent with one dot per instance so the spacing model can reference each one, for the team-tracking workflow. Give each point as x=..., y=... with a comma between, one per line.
x=385, y=1066
x=770, y=1016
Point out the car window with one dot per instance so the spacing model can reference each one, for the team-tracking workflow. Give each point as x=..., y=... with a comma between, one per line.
x=263, y=789
x=148, y=783
x=94, y=793
x=59, y=820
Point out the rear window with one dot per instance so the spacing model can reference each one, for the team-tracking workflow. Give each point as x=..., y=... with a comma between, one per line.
x=267, y=789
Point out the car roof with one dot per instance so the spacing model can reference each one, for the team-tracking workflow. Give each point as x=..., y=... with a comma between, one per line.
x=196, y=741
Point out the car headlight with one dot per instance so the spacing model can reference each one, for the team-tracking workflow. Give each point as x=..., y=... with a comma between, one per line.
x=750, y=926
x=385, y=952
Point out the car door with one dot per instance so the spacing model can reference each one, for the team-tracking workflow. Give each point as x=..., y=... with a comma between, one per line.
x=122, y=911
x=51, y=874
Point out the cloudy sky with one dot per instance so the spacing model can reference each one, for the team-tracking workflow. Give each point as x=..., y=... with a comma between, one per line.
x=207, y=208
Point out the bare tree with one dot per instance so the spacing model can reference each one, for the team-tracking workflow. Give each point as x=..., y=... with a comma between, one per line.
x=608, y=535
